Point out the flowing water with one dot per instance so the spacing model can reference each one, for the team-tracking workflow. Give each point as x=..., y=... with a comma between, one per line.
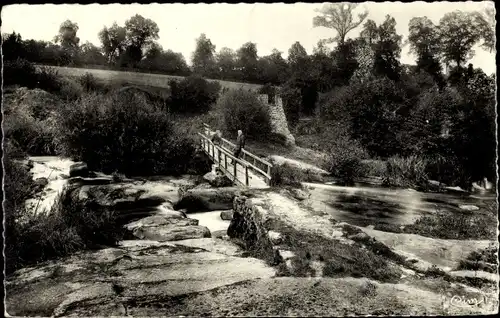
x=366, y=205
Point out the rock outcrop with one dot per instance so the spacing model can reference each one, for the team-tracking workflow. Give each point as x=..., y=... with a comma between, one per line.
x=278, y=118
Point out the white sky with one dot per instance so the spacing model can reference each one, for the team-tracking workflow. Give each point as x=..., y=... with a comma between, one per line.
x=269, y=25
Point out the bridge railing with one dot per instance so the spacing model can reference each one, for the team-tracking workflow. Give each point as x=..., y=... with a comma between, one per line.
x=263, y=165
x=222, y=155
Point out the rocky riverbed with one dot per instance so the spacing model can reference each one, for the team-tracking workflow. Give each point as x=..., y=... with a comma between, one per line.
x=193, y=249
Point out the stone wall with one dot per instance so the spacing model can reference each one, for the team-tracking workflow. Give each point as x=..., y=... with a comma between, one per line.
x=278, y=117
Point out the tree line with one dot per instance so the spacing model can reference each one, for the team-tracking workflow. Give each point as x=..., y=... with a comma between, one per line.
x=135, y=46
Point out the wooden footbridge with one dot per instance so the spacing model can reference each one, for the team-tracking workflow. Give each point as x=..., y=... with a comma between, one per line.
x=249, y=170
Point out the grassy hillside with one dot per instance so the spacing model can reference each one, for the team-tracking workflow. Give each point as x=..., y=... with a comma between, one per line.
x=141, y=79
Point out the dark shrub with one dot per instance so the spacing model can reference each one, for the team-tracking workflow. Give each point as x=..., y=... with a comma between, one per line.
x=122, y=132
x=19, y=72
x=193, y=94
x=49, y=79
x=89, y=82
x=243, y=110
x=345, y=157
x=286, y=175
x=71, y=225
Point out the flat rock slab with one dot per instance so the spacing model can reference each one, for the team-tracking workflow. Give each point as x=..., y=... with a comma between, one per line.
x=159, y=220
x=290, y=296
x=171, y=232
x=107, y=282
x=213, y=245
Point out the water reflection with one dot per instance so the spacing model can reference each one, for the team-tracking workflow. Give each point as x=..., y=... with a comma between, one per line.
x=364, y=205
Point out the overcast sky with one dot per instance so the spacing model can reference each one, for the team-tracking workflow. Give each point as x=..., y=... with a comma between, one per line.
x=268, y=25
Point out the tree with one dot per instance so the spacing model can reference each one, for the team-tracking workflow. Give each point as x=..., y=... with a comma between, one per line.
x=321, y=48
x=273, y=68
x=345, y=60
x=90, y=54
x=248, y=62
x=226, y=63
x=204, y=56
x=298, y=59
x=68, y=40
x=458, y=33
x=425, y=44
x=12, y=46
x=486, y=23
x=140, y=31
x=67, y=35
x=338, y=16
x=387, y=50
x=113, y=41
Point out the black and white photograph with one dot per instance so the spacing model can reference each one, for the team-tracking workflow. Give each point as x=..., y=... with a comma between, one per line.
x=250, y=159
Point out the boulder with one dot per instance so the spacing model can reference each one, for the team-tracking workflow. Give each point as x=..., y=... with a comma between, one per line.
x=300, y=194
x=275, y=237
x=468, y=207
x=79, y=169
x=41, y=182
x=90, y=181
x=226, y=215
x=217, y=179
x=203, y=200
x=172, y=232
x=158, y=220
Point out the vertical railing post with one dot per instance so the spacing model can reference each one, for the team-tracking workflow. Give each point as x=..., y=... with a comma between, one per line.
x=219, y=157
x=225, y=161
x=234, y=169
x=246, y=176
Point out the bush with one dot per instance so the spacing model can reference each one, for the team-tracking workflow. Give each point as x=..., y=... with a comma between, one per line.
x=407, y=172
x=70, y=226
x=19, y=72
x=243, y=110
x=49, y=80
x=286, y=175
x=89, y=82
x=29, y=123
x=122, y=132
x=193, y=94
x=345, y=160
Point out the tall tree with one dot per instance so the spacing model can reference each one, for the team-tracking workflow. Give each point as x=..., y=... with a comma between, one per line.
x=113, y=41
x=12, y=46
x=321, y=48
x=248, y=61
x=339, y=16
x=346, y=64
x=204, y=56
x=486, y=23
x=68, y=40
x=226, y=63
x=298, y=59
x=140, y=31
x=458, y=33
x=425, y=44
x=388, y=50
x=67, y=35
x=91, y=54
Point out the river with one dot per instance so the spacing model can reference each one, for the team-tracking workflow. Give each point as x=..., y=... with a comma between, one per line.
x=367, y=205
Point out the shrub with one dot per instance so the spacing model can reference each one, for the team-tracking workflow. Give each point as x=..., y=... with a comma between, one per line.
x=345, y=160
x=89, y=82
x=286, y=175
x=193, y=94
x=70, y=89
x=407, y=172
x=19, y=72
x=122, y=132
x=71, y=225
x=49, y=79
x=240, y=109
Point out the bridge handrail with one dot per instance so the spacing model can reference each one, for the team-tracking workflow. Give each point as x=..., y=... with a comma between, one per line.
x=242, y=162
x=263, y=161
